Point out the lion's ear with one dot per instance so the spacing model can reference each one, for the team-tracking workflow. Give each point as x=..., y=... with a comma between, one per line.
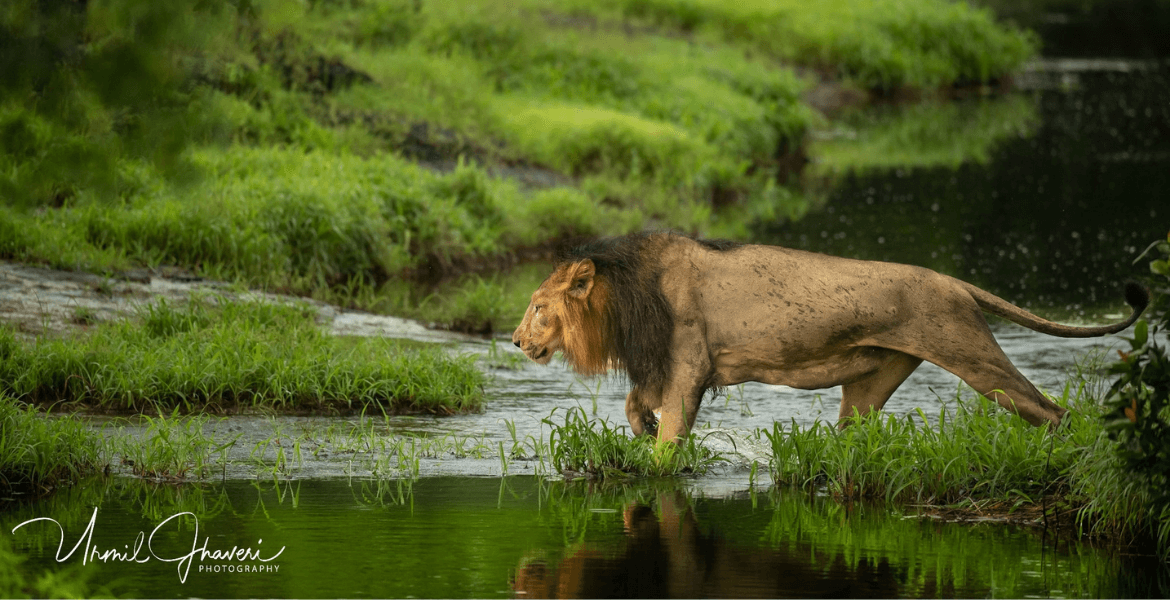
x=581, y=279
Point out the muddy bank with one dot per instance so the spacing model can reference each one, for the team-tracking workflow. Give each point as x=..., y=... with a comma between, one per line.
x=39, y=301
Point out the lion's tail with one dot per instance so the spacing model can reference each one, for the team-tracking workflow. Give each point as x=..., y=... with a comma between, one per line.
x=1135, y=295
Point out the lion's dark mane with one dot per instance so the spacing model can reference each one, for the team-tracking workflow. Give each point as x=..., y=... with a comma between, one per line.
x=638, y=317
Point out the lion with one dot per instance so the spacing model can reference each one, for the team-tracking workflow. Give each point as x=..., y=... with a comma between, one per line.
x=682, y=316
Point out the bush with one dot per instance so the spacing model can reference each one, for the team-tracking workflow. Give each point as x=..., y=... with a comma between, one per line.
x=1139, y=401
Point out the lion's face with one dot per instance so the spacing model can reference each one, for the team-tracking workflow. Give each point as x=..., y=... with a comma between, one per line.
x=555, y=305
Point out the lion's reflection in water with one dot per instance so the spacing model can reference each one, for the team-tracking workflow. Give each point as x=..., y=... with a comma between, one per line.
x=666, y=554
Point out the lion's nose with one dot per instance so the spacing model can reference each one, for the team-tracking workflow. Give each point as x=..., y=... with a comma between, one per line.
x=515, y=343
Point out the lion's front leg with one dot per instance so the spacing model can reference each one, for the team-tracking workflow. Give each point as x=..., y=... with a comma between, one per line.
x=690, y=377
x=640, y=405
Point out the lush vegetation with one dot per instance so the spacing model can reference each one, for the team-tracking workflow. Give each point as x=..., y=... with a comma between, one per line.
x=280, y=145
x=1138, y=419
x=17, y=581
x=40, y=452
x=229, y=356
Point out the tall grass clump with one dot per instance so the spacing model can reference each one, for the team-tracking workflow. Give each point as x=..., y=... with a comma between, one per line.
x=38, y=452
x=171, y=448
x=580, y=446
x=978, y=452
x=220, y=355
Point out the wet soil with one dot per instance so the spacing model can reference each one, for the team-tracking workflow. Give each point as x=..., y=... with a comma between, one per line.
x=37, y=301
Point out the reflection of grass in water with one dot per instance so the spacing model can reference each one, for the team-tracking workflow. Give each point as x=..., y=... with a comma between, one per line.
x=966, y=556
x=930, y=558
x=926, y=134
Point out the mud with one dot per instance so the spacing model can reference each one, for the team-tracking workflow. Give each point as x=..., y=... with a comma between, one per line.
x=45, y=301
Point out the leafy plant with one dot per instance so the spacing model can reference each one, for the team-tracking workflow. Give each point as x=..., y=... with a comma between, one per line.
x=1138, y=417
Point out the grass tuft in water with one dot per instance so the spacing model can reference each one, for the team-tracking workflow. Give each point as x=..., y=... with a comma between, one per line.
x=217, y=355
x=172, y=448
x=39, y=453
x=976, y=451
x=592, y=448
x=979, y=457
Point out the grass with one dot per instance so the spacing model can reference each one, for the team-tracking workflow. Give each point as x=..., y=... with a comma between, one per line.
x=302, y=127
x=592, y=448
x=469, y=303
x=885, y=44
x=216, y=356
x=39, y=453
x=19, y=581
x=978, y=458
x=171, y=448
x=971, y=454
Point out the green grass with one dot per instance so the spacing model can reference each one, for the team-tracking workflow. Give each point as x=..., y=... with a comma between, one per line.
x=301, y=124
x=885, y=44
x=227, y=356
x=39, y=453
x=171, y=448
x=977, y=456
x=583, y=447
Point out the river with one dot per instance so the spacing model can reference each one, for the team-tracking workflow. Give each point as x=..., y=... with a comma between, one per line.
x=1044, y=195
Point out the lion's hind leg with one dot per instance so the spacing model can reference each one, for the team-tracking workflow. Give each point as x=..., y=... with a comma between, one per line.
x=872, y=392
x=970, y=351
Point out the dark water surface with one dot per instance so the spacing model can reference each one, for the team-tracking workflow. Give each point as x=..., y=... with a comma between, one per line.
x=1060, y=186
x=520, y=536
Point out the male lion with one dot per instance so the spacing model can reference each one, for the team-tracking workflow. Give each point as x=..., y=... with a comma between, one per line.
x=681, y=316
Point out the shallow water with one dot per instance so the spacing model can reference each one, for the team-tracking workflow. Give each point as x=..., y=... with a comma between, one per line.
x=523, y=399
x=524, y=537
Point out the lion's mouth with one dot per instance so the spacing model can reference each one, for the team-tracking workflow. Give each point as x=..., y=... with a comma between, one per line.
x=542, y=354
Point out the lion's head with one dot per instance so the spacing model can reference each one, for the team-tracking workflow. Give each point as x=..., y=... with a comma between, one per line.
x=603, y=308
x=566, y=314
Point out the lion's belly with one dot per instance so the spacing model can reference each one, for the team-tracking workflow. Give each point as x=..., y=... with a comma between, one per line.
x=737, y=365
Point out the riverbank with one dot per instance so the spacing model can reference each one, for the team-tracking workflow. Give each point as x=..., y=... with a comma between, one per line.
x=341, y=148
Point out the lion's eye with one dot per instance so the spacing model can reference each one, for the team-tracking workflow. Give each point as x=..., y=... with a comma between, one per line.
x=536, y=309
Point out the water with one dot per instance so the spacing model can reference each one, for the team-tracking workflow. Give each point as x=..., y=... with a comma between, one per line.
x=522, y=399
x=524, y=537
x=1044, y=196
x=1061, y=185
